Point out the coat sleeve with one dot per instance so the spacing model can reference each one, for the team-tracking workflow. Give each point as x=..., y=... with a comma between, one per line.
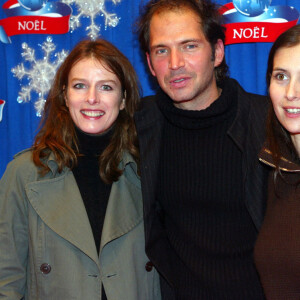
x=13, y=231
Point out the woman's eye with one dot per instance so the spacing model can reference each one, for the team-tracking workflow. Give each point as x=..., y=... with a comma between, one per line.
x=106, y=87
x=280, y=76
x=79, y=86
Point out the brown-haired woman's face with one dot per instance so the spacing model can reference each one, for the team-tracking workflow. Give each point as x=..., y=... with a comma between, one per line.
x=285, y=88
x=94, y=96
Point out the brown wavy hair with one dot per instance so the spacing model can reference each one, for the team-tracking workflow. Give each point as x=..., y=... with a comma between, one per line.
x=210, y=24
x=57, y=134
x=276, y=133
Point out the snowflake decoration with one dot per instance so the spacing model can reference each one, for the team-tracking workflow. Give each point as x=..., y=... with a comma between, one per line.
x=91, y=9
x=40, y=76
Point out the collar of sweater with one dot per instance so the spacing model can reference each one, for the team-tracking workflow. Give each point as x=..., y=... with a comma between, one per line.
x=220, y=110
x=92, y=144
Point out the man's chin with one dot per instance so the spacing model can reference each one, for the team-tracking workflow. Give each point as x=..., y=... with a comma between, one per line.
x=175, y=101
x=182, y=103
x=178, y=96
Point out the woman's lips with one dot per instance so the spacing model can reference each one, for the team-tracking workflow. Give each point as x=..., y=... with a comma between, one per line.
x=292, y=112
x=92, y=113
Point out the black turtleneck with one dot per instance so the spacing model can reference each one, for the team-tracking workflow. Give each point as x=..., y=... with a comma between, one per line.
x=201, y=193
x=218, y=112
x=93, y=190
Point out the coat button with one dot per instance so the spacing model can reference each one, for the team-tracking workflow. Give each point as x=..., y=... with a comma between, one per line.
x=45, y=268
x=149, y=266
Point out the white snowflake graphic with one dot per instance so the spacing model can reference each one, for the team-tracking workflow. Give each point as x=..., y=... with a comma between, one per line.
x=91, y=9
x=41, y=75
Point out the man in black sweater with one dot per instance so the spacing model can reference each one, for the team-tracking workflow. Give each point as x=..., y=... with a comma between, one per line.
x=203, y=187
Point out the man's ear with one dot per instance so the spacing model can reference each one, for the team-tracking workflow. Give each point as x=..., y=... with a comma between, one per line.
x=150, y=64
x=219, y=52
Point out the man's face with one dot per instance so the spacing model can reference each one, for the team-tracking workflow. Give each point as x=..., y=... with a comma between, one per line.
x=181, y=59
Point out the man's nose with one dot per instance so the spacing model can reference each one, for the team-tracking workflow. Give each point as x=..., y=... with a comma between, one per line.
x=176, y=59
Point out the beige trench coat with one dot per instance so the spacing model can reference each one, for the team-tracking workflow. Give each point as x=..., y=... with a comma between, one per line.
x=47, y=249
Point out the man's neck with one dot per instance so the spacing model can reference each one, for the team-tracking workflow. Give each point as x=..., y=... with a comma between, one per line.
x=199, y=103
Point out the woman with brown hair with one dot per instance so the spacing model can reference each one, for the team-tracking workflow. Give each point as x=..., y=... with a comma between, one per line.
x=277, y=250
x=71, y=217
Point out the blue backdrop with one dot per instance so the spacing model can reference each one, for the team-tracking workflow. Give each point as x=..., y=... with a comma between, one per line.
x=32, y=57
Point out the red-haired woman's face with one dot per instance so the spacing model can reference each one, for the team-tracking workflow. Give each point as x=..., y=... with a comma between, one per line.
x=93, y=96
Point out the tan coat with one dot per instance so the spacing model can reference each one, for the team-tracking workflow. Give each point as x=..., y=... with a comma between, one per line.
x=47, y=249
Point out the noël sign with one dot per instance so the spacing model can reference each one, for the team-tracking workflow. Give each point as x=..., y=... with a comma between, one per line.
x=256, y=21
x=34, y=16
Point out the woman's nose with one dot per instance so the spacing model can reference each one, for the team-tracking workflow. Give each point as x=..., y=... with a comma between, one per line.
x=92, y=96
x=293, y=90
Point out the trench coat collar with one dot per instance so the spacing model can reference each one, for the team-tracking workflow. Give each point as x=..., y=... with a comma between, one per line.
x=285, y=164
x=125, y=207
x=58, y=202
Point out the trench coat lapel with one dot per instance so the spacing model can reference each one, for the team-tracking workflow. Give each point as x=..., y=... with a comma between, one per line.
x=125, y=208
x=59, y=204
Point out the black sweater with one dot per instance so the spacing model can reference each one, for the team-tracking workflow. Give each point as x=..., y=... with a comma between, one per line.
x=200, y=191
x=93, y=190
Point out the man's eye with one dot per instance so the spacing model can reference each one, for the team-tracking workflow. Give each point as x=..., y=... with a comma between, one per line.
x=79, y=86
x=191, y=46
x=161, y=51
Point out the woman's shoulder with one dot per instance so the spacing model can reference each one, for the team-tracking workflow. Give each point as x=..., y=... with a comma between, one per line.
x=23, y=155
x=22, y=159
x=22, y=165
x=23, y=168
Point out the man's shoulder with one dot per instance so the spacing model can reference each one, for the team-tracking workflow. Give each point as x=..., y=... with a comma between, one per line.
x=255, y=101
x=147, y=102
x=147, y=105
x=149, y=98
x=258, y=99
x=259, y=104
x=148, y=113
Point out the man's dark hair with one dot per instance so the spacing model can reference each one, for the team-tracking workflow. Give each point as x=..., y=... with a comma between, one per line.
x=208, y=13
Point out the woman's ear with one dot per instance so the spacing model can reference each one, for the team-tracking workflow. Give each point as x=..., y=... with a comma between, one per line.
x=65, y=95
x=122, y=105
x=123, y=102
